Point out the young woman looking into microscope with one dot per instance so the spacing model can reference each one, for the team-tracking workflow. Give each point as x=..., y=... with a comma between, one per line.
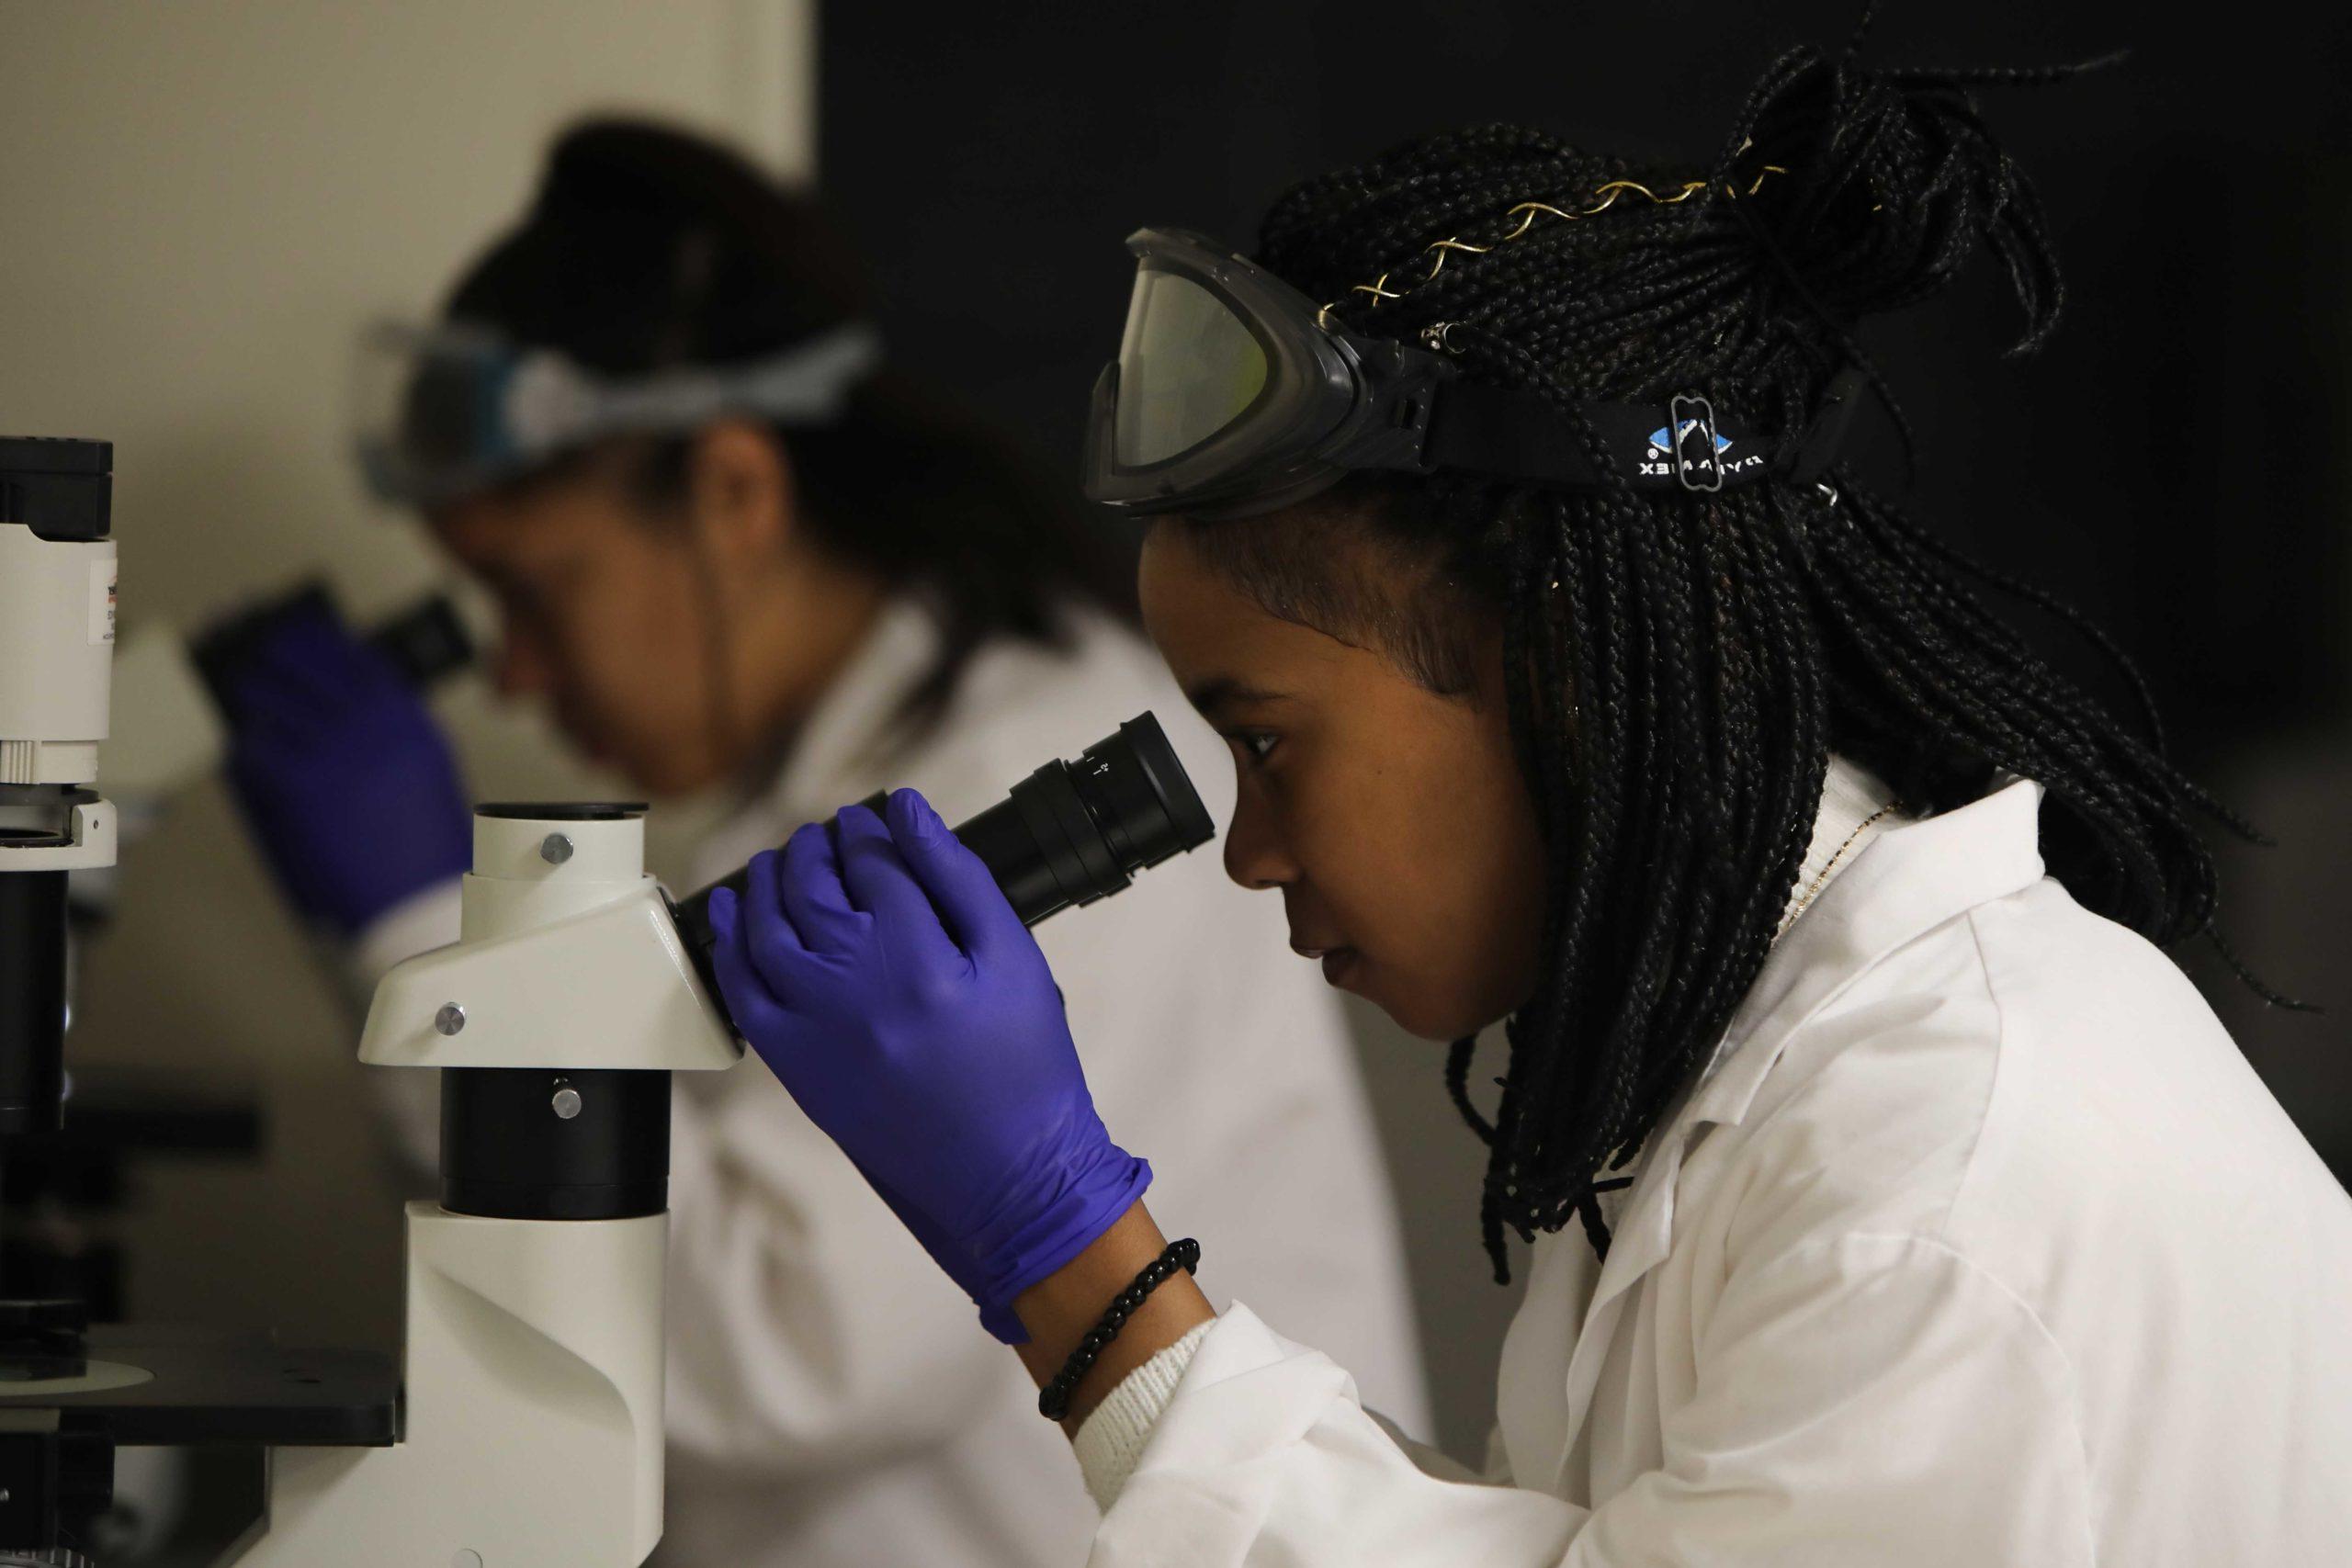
x=1893, y=1199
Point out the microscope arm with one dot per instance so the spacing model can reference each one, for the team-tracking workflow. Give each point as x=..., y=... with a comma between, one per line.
x=533, y=1362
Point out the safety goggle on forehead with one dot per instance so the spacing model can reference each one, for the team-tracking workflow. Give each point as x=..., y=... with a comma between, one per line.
x=1234, y=394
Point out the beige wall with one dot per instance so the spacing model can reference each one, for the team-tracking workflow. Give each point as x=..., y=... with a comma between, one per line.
x=202, y=201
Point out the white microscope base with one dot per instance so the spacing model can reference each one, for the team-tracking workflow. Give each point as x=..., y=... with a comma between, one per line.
x=533, y=1392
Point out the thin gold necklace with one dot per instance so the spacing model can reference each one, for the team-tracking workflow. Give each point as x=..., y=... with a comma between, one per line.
x=1822, y=880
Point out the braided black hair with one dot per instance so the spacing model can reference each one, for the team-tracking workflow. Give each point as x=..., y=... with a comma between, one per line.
x=1680, y=666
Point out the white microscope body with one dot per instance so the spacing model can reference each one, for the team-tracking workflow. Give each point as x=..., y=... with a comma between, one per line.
x=57, y=624
x=533, y=1370
x=529, y=1426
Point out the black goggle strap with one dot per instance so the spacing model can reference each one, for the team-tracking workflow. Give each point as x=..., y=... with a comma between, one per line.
x=1513, y=435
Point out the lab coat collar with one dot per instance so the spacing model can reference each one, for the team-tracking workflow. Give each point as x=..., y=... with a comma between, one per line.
x=1911, y=877
x=1855, y=812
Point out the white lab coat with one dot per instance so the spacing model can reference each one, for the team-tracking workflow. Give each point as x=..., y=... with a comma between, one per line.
x=1979, y=1245
x=832, y=1400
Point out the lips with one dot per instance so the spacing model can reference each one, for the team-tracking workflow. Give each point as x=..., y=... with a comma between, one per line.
x=1337, y=960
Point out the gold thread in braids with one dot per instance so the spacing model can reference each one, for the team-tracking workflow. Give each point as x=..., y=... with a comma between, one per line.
x=1526, y=212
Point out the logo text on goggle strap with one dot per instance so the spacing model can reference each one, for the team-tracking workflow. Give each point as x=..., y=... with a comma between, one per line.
x=1664, y=468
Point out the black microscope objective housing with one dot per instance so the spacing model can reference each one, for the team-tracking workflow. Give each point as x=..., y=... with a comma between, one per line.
x=32, y=997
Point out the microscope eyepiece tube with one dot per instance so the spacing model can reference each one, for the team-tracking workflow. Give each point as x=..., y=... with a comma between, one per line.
x=1069, y=834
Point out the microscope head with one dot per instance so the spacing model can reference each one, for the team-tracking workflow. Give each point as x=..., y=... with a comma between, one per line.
x=567, y=959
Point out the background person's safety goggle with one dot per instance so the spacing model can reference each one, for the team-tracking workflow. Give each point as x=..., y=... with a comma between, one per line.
x=1232, y=396
x=446, y=411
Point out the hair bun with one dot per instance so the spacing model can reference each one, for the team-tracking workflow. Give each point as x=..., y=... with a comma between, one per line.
x=647, y=245
x=608, y=169
x=1886, y=185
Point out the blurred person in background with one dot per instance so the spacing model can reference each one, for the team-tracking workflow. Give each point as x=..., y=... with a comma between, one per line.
x=734, y=550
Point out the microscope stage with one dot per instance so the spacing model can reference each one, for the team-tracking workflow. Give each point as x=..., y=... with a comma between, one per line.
x=212, y=1386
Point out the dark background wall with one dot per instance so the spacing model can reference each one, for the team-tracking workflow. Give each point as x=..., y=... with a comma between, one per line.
x=2173, y=463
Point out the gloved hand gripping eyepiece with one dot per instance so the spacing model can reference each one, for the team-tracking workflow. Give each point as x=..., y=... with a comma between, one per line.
x=1069, y=834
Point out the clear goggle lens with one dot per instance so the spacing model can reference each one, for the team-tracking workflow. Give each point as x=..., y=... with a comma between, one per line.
x=1189, y=368
x=430, y=414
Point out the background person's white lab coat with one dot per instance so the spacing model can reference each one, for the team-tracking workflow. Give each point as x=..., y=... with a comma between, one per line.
x=832, y=1400
x=1980, y=1245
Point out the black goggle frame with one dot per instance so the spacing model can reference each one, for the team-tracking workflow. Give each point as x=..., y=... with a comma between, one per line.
x=1336, y=403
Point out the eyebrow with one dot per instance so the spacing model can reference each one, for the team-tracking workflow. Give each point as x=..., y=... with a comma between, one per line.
x=1219, y=693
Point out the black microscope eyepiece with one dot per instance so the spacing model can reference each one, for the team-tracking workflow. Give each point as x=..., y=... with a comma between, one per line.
x=427, y=642
x=1072, y=832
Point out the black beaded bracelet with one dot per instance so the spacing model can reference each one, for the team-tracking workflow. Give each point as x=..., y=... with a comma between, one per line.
x=1053, y=1400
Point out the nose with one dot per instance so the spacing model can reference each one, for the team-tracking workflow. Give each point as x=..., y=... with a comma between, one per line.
x=1255, y=855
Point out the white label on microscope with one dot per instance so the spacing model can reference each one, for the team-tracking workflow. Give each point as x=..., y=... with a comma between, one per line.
x=102, y=601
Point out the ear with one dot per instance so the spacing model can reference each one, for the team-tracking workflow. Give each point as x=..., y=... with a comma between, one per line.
x=739, y=497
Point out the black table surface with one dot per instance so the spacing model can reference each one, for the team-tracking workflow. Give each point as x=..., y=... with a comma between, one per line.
x=222, y=1386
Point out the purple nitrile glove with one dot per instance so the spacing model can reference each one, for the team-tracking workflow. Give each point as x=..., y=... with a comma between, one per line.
x=882, y=975
x=345, y=781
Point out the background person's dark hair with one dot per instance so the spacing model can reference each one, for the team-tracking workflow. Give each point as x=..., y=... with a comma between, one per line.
x=648, y=247
x=1680, y=666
